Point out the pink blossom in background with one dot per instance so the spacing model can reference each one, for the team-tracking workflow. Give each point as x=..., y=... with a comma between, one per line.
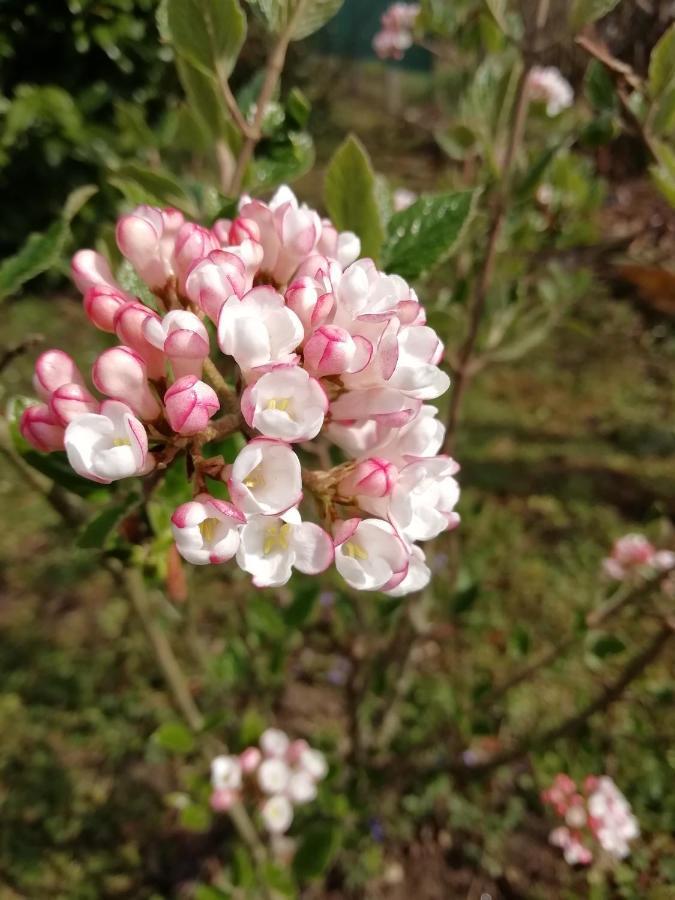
x=634, y=556
x=595, y=817
x=396, y=33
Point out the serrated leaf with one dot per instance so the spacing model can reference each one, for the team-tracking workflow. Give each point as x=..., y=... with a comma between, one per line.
x=175, y=737
x=207, y=33
x=583, y=12
x=423, y=235
x=351, y=195
x=319, y=845
x=42, y=251
x=314, y=15
x=662, y=63
x=156, y=186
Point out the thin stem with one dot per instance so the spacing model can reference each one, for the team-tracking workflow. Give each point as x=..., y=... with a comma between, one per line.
x=478, y=300
x=275, y=65
x=218, y=383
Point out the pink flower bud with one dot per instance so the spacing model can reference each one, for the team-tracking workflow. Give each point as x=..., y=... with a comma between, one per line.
x=89, y=268
x=223, y=799
x=141, y=238
x=212, y=280
x=71, y=400
x=41, y=429
x=52, y=369
x=250, y=759
x=192, y=244
x=102, y=302
x=305, y=298
x=184, y=339
x=121, y=374
x=128, y=323
x=243, y=229
x=374, y=477
x=221, y=231
x=190, y=403
x=332, y=351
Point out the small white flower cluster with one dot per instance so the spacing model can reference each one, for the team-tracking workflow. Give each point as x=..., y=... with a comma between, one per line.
x=634, y=557
x=321, y=345
x=548, y=85
x=276, y=776
x=396, y=34
x=599, y=815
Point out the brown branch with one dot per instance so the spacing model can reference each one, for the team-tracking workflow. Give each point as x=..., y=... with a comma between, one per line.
x=275, y=65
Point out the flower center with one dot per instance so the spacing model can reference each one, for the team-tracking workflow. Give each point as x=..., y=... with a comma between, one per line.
x=355, y=550
x=121, y=442
x=280, y=403
x=255, y=478
x=208, y=529
x=276, y=538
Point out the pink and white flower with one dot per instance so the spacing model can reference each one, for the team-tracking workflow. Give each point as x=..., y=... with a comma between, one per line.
x=192, y=244
x=265, y=478
x=129, y=322
x=547, y=84
x=101, y=304
x=369, y=554
x=418, y=577
x=147, y=237
x=372, y=477
x=331, y=350
x=121, y=374
x=271, y=547
x=108, y=445
x=634, y=556
x=206, y=530
x=285, y=403
x=180, y=335
x=90, y=268
x=258, y=329
x=189, y=404
x=211, y=281
x=71, y=400
x=54, y=368
x=277, y=814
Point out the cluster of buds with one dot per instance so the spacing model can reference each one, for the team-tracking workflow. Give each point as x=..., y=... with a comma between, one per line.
x=396, y=34
x=274, y=777
x=547, y=85
x=320, y=348
x=597, y=815
x=634, y=557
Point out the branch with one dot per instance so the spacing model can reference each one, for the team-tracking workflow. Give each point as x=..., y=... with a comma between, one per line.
x=275, y=65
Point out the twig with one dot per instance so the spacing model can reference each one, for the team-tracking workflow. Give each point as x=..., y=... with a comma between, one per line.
x=275, y=65
x=218, y=383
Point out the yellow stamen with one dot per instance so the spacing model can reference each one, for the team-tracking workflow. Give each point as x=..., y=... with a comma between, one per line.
x=121, y=442
x=255, y=478
x=355, y=551
x=276, y=537
x=208, y=528
x=280, y=403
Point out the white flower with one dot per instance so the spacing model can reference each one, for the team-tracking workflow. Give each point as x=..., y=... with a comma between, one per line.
x=423, y=500
x=416, y=372
x=418, y=577
x=274, y=742
x=271, y=547
x=109, y=445
x=265, y=478
x=259, y=329
x=313, y=762
x=301, y=788
x=206, y=530
x=226, y=773
x=547, y=84
x=285, y=403
x=277, y=814
x=369, y=554
x=273, y=775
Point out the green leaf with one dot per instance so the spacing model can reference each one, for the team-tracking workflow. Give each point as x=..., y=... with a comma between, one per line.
x=205, y=100
x=175, y=737
x=195, y=817
x=97, y=533
x=350, y=192
x=314, y=15
x=207, y=33
x=42, y=251
x=662, y=64
x=298, y=107
x=283, y=161
x=154, y=186
x=607, y=645
x=423, y=235
x=583, y=12
x=599, y=88
x=497, y=9
x=319, y=845
x=302, y=607
x=208, y=892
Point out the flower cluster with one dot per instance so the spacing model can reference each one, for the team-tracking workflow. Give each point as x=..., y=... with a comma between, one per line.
x=395, y=35
x=322, y=347
x=276, y=776
x=598, y=815
x=548, y=85
x=633, y=557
